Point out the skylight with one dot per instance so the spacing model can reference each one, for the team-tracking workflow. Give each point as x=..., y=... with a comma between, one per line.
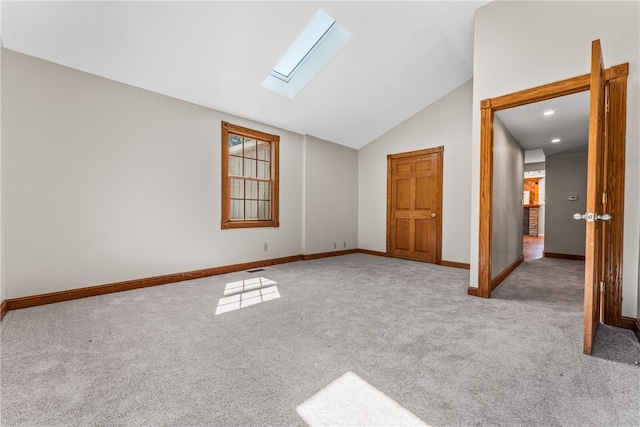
x=304, y=44
x=319, y=41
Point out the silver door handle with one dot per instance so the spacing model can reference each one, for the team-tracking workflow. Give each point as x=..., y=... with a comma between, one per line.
x=590, y=217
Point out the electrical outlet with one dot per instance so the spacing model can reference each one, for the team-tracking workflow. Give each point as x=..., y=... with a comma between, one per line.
x=266, y=247
x=344, y=245
x=334, y=245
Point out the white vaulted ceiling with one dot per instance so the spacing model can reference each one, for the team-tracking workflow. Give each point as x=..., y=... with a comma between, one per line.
x=402, y=56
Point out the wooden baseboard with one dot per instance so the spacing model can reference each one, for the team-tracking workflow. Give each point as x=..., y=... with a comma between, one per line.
x=4, y=307
x=71, y=294
x=376, y=253
x=495, y=282
x=308, y=257
x=563, y=256
x=473, y=291
x=455, y=264
x=632, y=324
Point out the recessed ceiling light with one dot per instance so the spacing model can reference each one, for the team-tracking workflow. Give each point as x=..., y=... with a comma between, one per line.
x=555, y=140
x=549, y=112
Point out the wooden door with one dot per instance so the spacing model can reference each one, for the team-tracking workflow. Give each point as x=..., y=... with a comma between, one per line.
x=594, y=272
x=414, y=205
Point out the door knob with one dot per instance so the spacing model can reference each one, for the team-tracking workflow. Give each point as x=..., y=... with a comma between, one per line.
x=590, y=217
x=433, y=214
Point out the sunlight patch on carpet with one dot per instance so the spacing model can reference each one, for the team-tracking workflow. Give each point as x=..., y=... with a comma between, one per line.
x=351, y=401
x=245, y=293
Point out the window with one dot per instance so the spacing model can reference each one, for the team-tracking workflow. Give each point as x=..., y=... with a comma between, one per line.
x=303, y=46
x=313, y=48
x=250, y=185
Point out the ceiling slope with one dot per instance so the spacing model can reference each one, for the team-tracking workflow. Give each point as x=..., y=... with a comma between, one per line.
x=402, y=56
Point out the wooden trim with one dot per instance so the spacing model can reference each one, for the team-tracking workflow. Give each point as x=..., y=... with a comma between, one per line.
x=629, y=323
x=308, y=257
x=615, y=147
x=563, y=256
x=274, y=140
x=473, y=291
x=389, y=242
x=416, y=153
x=250, y=223
x=248, y=133
x=554, y=90
x=71, y=294
x=487, y=109
x=486, y=197
x=4, y=307
x=506, y=272
x=369, y=252
x=439, y=197
x=455, y=264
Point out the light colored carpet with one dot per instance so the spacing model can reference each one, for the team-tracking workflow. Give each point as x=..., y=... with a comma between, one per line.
x=161, y=356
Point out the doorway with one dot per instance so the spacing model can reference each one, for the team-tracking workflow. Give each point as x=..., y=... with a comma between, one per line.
x=613, y=193
x=533, y=217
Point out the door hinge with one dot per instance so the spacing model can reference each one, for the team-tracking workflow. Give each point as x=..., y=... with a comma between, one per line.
x=607, y=107
x=604, y=198
x=602, y=287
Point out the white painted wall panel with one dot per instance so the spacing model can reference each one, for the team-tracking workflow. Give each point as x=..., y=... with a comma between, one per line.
x=331, y=196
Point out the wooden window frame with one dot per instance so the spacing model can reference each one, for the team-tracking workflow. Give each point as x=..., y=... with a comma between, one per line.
x=274, y=141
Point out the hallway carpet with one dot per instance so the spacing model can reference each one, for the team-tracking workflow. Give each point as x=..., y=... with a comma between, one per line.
x=330, y=336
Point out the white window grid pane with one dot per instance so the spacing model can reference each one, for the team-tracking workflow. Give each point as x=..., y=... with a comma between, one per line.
x=264, y=190
x=249, y=148
x=237, y=188
x=251, y=209
x=252, y=189
x=264, y=151
x=237, y=209
x=250, y=168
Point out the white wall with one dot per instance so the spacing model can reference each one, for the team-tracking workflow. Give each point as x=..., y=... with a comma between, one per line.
x=331, y=196
x=508, y=184
x=567, y=175
x=104, y=182
x=446, y=122
x=519, y=45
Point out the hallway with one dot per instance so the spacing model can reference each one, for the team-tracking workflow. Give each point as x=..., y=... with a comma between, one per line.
x=533, y=247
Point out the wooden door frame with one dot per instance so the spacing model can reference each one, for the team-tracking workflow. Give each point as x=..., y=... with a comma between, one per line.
x=616, y=77
x=390, y=158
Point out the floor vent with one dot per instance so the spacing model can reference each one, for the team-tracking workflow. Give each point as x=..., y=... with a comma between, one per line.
x=255, y=271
